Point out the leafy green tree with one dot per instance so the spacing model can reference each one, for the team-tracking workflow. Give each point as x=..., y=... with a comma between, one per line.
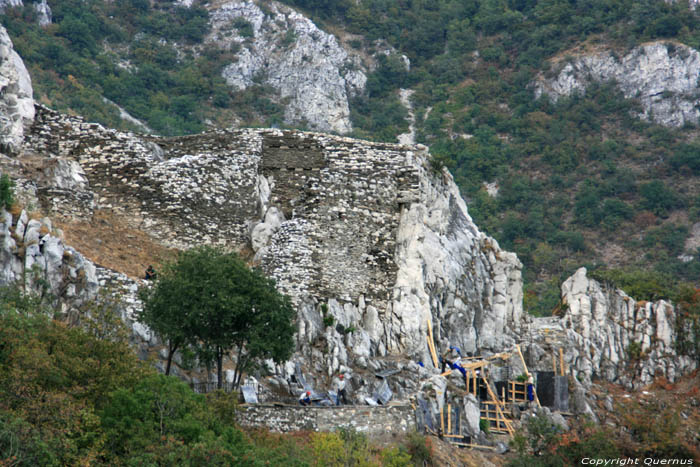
x=657, y=198
x=212, y=301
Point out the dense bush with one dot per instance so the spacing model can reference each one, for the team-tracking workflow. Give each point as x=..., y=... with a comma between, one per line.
x=77, y=395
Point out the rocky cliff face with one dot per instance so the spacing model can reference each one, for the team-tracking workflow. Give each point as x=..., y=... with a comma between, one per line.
x=368, y=240
x=662, y=75
x=606, y=334
x=282, y=48
x=16, y=102
x=364, y=233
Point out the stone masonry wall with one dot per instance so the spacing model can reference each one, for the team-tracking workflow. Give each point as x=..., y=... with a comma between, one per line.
x=369, y=241
x=372, y=421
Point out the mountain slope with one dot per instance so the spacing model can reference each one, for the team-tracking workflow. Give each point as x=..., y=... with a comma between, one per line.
x=579, y=181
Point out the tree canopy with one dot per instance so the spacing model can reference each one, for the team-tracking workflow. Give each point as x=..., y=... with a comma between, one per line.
x=211, y=301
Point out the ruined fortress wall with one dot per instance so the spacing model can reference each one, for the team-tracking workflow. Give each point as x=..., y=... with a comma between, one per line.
x=178, y=189
x=341, y=198
x=372, y=421
x=346, y=200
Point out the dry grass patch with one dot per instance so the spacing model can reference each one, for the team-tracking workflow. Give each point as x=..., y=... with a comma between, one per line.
x=109, y=241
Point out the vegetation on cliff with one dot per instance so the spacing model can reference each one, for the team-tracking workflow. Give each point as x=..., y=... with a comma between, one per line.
x=71, y=396
x=580, y=182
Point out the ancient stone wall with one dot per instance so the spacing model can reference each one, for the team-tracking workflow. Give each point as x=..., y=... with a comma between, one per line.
x=372, y=421
x=364, y=233
x=182, y=196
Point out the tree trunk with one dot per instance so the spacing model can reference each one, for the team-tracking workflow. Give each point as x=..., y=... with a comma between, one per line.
x=172, y=347
x=219, y=364
x=239, y=368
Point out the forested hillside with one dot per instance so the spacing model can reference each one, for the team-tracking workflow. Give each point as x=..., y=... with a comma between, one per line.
x=584, y=181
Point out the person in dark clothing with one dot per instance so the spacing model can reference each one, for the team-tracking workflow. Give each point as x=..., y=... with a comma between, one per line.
x=150, y=273
x=305, y=398
x=453, y=360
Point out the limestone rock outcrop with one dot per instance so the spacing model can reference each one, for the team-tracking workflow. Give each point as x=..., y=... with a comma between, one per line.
x=282, y=48
x=607, y=334
x=16, y=96
x=663, y=76
x=33, y=256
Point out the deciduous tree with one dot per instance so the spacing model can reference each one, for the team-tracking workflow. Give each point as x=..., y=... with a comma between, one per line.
x=211, y=300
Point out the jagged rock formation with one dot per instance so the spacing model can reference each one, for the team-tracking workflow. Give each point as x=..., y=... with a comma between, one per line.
x=662, y=75
x=306, y=66
x=31, y=255
x=16, y=101
x=607, y=334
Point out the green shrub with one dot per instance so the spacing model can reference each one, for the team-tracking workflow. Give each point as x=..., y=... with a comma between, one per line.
x=7, y=194
x=657, y=198
x=420, y=448
x=634, y=351
x=244, y=27
x=638, y=284
x=396, y=457
x=484, y=425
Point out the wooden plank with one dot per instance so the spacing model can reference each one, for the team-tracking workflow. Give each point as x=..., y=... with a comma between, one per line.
x=432, y=352
x=478, y=446
x=561, y=361
x=448, y=372
x=431, y=343
x=475, y=365
x=527, y=372
x=522, y=359
x=453, y=436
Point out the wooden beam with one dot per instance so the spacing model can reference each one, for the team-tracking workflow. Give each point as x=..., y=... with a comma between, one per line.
x=448, y=372
x=478, y=446
x=522, y=359
x=561, y=360
x=432, y=352
x=431, y=343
